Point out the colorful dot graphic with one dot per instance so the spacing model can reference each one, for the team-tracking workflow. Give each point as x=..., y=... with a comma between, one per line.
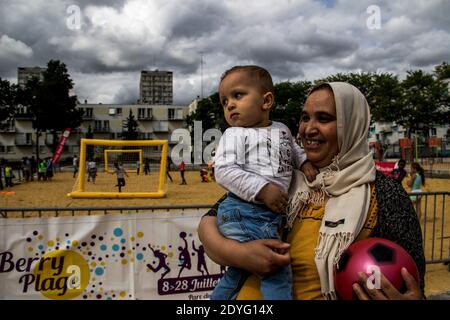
x=86, y=260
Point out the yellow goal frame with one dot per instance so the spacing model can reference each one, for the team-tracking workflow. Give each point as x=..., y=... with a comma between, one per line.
x=81, y=194
x=123, y=151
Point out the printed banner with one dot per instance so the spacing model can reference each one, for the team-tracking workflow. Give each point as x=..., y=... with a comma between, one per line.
x=113, y=257
x=60, y=147
x=385, y=167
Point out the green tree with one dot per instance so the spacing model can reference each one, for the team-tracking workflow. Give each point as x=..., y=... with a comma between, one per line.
x=425, y=102
x=210, y=112
x=130, y=128
x=382, y=91
x=8, y=94
x=385, y=99
x=7, y=100
x=363, y=81
x=52, y=106
x=442, y=71
x=290, y=98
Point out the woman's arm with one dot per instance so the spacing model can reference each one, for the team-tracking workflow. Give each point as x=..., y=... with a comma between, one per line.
x=256, y=256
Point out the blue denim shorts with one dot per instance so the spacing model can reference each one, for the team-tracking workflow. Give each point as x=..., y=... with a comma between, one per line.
x=245, y=221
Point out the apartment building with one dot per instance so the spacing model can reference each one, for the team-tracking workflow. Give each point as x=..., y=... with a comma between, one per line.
x=104, y=121
x=389, y=134
x=156, y=87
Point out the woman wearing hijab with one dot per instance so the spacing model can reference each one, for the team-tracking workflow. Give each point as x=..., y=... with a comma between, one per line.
x=347, y=202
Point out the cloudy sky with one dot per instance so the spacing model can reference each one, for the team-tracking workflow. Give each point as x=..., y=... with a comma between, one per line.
x=106, y=44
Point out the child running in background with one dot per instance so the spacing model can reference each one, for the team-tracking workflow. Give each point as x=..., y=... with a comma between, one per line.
x=121, y=173
x=254, y=162
x=75, y=165
x=92, y=170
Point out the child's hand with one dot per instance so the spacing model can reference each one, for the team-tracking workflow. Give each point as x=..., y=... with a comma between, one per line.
x=273, y=197
x=309, y=170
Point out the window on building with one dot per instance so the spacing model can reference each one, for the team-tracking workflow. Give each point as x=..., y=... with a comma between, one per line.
x=119, y=111
x=433, y=131
x=2, y=149
x=22, y=109
x=171, y=114
x=9, y=149
x=8, y=125
x=161, y=126
x=179, y=113
x=87, y=112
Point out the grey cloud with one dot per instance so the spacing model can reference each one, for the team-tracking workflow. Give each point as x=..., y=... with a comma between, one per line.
x=12, y=52
x=127, y=94
x=200, y=19
x=98, y=3
x=293, y=39
x=426, y=58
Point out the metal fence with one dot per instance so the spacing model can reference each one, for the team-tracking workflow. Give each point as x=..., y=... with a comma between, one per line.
x=81, y=211
x=433, y=206
x=434, y=210
x=435, y=167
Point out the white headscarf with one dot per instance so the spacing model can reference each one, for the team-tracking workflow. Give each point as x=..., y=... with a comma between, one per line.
x=345, y=182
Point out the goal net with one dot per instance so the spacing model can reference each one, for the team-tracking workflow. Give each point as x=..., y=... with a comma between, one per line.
x=121, y=169
x=130, y=159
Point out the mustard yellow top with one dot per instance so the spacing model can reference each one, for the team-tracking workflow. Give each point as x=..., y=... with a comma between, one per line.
x=303, y=239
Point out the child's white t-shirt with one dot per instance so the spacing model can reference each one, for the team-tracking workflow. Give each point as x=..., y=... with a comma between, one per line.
x=249, y=158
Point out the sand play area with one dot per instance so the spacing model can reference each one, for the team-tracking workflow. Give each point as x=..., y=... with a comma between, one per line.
x=54, y=194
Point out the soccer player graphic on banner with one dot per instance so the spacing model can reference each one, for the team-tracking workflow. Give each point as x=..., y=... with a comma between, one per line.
x=184, y=256
x=162, y=262
x=201, y=261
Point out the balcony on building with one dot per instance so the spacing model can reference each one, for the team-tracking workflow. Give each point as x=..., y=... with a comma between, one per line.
x=87, y=117
x=145, y=117
x=23, y=139
x=23, y=116
x=7, y=126
x=175, y=118
x=175, y=114
x=87, y=114
x=145, y=114
x=102, y=129
x=49, y=139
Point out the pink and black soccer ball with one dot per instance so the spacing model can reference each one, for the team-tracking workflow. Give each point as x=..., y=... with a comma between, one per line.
x=368, y=256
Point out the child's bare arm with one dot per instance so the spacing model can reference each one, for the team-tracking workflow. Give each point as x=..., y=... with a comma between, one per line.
x=273, y=197
x=309, y=170
x=411, y=179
